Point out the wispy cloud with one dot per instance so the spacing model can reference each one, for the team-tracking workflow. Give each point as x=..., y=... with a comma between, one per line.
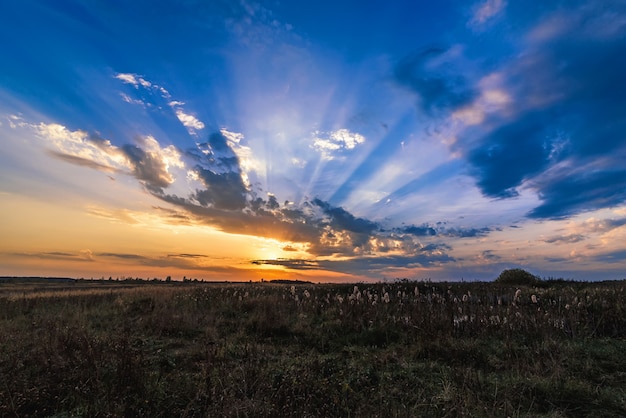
x=565, y=239
x=189, y=121
x=485, y=11
x=130, y=100
x=133, y=79
x=77, y=256
x=85, y=162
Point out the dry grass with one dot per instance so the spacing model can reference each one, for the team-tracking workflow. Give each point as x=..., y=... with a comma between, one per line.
x=402, y=349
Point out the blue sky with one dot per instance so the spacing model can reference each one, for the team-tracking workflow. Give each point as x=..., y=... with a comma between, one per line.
x=335, y=140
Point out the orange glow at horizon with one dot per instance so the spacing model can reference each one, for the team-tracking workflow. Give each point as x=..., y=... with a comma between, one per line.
x=89, y=242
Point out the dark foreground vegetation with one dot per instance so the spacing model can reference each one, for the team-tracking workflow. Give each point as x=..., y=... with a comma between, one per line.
x=267, y=349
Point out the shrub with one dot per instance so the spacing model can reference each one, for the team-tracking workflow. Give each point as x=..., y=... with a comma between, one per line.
x=518, y=277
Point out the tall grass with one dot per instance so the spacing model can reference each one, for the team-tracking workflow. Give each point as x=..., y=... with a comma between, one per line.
x=401, y=349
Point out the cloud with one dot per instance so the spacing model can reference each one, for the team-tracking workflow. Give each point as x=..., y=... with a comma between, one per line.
x=130, y=100
x=468, y=232
x=84, y=162
x=419, y=231
x=127, y=78
x=194, y=262
x=331, y=144
x=486, y=11
x=147, y=168
x=124, y=256
x=146, y=160
x=316, y=227
x=219, y=170
x=120, y=215
x=510, y=155
x=189, y=121
x=611, y=257
x=151, y=164
x=488, y=256
x=193, y=256
x=292, y=264
x=565, y=239
x=223, y=191
x=80, y=256
x=341, y=219
x=562, y=133
x=430, y=75
x=78, y=147
x=133, y=79
x=369, y=265
x=593, y=225
x=174, y=217
x=571, y=192
x=382, y=265
x=426, y=230
x=247, y=162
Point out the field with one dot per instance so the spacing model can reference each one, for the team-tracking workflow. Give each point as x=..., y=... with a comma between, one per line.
x=265, y=349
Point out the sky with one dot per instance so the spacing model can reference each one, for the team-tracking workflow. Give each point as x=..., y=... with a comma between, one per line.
x=323, y=141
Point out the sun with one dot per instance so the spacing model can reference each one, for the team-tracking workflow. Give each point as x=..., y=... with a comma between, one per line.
x=271, y=249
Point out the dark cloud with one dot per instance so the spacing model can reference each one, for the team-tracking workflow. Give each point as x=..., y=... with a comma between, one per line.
x=426, y=230
x=567, y=136
x=419, y=231
x=381, y=264
x=216, y=154
x=427, y=256
x=569, y=193
x=290, y=263
x=509, y=156
x=124, y=256
x=247, y=222
x=343, y=220
x=326, y=230
x=223, y=191
x=423, y=74
x=218, y=168
x=467, y=232
x=611, y=257
x=147, y=168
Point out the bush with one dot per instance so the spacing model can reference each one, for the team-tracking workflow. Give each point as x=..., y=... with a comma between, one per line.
x=518, y=277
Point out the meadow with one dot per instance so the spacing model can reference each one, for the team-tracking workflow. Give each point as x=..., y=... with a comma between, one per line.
x=407, y=349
